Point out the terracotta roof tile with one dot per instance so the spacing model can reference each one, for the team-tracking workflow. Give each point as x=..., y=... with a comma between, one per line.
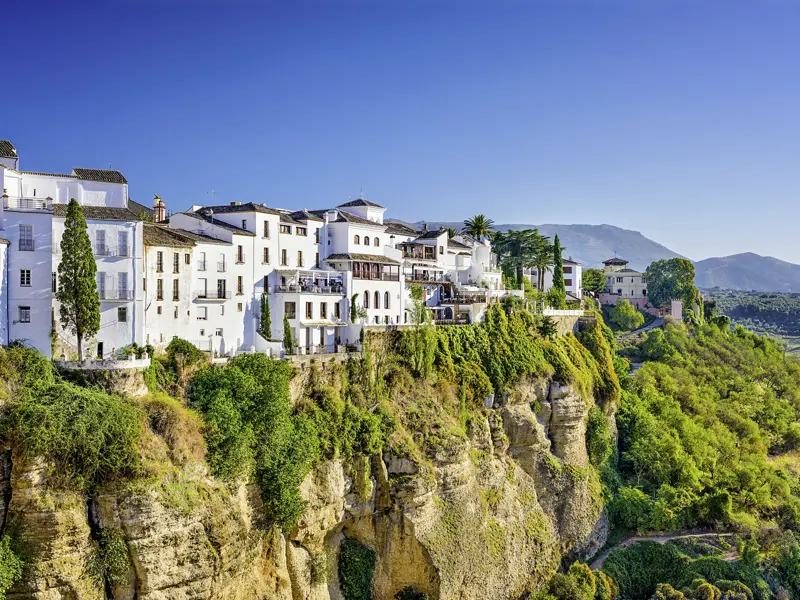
x=376, y=258
x=361, y=202
x=159, y=235
x=101, y=175
x=103, y=213
x=7, y=149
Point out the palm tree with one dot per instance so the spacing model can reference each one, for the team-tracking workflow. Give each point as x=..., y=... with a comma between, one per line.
x=451, y=232
x=478, y=226
x=543, y=258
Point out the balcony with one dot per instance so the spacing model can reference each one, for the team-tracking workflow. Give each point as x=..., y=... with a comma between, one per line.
x=112, y=251
x=27, y=203
x=427, y=278
x=240, y=258
x=476, y=298
x=222, y=267
x=25, y=246
x=293, y=288
x=201, y=265
x=212, y=295
x=109, y=295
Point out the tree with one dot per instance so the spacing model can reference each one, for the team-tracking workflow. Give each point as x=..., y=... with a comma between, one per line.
x=478, y=226
x=265, y=326
x=671, y=279
x=625, y=316
x=451, y=232
x=353, y=308
x=515, y=251
x=422, y=337
x=594, y=280
x=77, y=286
x=288, y=338
x=560, y=293
x=542, y=258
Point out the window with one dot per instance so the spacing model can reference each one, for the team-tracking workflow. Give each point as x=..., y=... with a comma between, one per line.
x=644, y=292
x=386, y=300
x=568, y=282
x=286, y=229
x=244, y=223
x=366, y=299
x=222, y=291
x=187, y=259
x=159, y=289
x=301, y=231
x=284, y=259
x=316, y=235
x=323, y=310
x=201, y=262
x=299, y=258
x=239, y=307
x=100, y=242
x=222, y=310
x=567, y=269
x=122, y=314
x=202, y=333
x=25, y=277
x=441, y=250
x=619, y=279
x=122, y=241
x=266, y=283
x=26, y=243
x=377, y=319
x=309, y=310
x=377, y=299
x=175, y=290
x=644, y=279
x=24, y=314
x=240, y=254
x=337, y=310
x=123, y=284
x=221, y=263
x=176, y=262
x=357, y=239
x=240, y=285
x=290, y=310
x=218, y=331
x=55, y=281
x=376, y=242
x=316, y=261
x=158, y=310
x=619, y=292
x=266, y=256
x=159, y=262
x=366, y=240
x=202, y=314
x=266, y=229
x=100, y=350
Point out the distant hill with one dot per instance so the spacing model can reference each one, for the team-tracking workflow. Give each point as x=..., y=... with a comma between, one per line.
x=592, y=244
x=748, y=271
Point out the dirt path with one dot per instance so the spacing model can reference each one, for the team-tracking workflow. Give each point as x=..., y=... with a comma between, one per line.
x=597, y=563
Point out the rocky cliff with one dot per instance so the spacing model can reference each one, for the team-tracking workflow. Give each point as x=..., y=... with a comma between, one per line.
x=486, y=514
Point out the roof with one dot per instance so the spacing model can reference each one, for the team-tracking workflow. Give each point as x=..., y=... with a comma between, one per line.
x=430, y=235
x=615, y=261
x=376, y=258
x=569, y=261
x=199, y=237
x=401, y=229
x=458, y=245
x=218, y=223
x=46, y=174
x=305, y=215
x=143, y=211
x=361, y=202
x=7, y=149
x=160, y=235
x=102, y=175
x=103, y=213
x=628, y=271
x=4, y=241
x=286, y=218
x=241, y=207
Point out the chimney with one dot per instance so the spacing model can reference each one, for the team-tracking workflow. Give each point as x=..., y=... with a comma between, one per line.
x=159, y=210
x=331, y=215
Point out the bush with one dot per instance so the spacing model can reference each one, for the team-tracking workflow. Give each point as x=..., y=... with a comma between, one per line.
x=625, y=316
x=356, y=567
x=10, y=567
x=409, y=593
x=113, y=556
x=599, y=443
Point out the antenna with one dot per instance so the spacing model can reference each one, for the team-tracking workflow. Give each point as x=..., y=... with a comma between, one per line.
x=361, y=197
x=212, y=193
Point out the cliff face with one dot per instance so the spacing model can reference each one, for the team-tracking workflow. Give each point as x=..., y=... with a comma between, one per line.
x=488, y=516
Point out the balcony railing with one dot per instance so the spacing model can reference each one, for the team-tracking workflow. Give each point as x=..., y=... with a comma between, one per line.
x=465, y=299
x=25, y=246
x=308, y=289
x=379, y=277
x=427, y=278
x=222, y=267
x=111, y=295
x=213, y=295
x=28, y=203
x=201, y=265
x=240, y=259
x=112, y=251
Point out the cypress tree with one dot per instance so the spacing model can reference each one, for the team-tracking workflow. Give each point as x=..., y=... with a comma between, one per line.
x=77, y=285
x=266, y=318
x=288, y=340
x=354, y=308
x=559, y=288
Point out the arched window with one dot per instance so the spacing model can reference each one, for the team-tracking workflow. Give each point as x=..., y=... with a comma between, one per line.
x=366, y=240
x=376, y=242
x=366, y=299
x=357, y=239
x=377, y=299
x=386, y=300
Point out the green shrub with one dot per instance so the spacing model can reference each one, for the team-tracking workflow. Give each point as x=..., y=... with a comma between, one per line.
x=113, y=556
x=10, y=566
x=599, y=442
x=409, y=593
x=356, y=567
x=625, y=316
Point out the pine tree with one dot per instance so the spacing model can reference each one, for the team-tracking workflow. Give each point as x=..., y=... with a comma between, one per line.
x=77, y=287
x=265, y=327
x=288, y=340
x=559, y=290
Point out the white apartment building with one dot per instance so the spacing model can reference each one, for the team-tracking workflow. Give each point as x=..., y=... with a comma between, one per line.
x=573, y=279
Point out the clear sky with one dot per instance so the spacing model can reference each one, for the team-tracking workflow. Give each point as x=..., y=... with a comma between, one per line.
x=679, y=119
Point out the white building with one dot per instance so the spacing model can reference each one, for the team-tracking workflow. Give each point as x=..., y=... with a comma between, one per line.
x=622, y=281
x=573, y=279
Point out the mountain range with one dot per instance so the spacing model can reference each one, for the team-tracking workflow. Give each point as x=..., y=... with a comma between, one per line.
x=592, y=244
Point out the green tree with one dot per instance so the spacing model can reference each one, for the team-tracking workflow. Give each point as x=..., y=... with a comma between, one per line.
x=10, y=567
x=560, y=294
x=542, y=258
x=625, y=316
x=594, y=280
x=265, y=325
x=422, y=337
x=478, y=226
x=451, y=232
x=77, y=286
x=288, y=338
x=671, y=279
x=353, y=308
x=515, y=250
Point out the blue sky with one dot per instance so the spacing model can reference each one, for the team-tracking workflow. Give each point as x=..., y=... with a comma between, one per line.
x=678, y=119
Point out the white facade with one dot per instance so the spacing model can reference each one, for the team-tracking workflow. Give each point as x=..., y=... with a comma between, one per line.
x=573, y=278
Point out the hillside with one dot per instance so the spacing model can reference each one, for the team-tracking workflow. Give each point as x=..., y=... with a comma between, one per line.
x=592, y=244
x=748, y=271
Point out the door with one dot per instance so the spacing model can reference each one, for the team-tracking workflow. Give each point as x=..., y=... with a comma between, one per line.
x=100, y=242
x=122, y=239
